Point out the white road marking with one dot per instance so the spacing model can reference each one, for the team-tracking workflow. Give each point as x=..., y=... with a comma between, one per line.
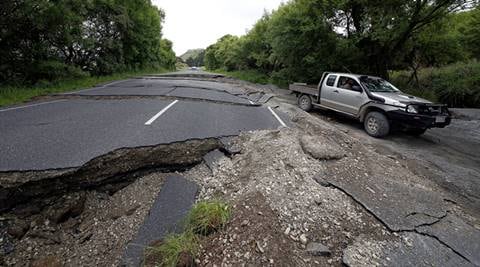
x=33, y=105
x=277, y=117
x=150, y=121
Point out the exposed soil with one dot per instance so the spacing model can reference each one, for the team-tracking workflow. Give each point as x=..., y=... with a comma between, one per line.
x=93, y=235
x=253, y=236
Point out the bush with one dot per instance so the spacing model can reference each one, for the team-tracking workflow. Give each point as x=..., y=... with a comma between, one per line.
x=457, y=85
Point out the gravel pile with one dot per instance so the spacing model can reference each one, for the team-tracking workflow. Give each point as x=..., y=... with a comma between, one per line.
x=286, y=167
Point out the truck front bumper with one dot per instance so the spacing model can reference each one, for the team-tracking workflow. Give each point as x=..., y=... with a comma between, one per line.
x=412, y=120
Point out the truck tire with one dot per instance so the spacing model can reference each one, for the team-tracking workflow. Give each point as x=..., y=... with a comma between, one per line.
x=305, y=102
x=376, y=124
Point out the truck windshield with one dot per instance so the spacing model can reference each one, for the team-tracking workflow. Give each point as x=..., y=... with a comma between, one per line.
x=378, y=85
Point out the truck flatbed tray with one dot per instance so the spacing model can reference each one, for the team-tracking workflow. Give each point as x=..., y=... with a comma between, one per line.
x=304, y=88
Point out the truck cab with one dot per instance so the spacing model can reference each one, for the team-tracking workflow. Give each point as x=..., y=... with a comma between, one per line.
x=373, y=101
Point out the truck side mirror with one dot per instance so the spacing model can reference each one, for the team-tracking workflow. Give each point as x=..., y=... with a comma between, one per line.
x=357, y=88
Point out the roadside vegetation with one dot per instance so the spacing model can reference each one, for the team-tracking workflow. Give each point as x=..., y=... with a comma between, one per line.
x=54, y=46
x=205, y=218
x=457, y=85
x=303, y=38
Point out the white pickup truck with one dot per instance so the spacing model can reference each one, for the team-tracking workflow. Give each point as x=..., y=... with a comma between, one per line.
x=373, y=101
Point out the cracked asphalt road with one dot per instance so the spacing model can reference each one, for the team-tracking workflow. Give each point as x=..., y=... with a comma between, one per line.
x=68, y=133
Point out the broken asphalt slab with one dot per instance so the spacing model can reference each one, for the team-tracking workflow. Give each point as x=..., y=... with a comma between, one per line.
x=458, y=235
x=403, y=206
x=398, y=205
x=174, y=201
x=410, y=249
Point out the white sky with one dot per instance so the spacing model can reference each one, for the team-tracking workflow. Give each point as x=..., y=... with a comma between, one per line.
x=199, y=23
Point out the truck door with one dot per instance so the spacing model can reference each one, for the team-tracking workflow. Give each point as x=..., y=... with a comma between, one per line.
x=347, y=96
x=327, y=89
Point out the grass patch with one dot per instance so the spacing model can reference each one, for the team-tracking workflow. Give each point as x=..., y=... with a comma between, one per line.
x=177, y=248
x=10, y=95
x=206, y=217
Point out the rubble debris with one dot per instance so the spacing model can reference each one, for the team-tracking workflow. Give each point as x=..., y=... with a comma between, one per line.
x=93, y=238
x=213, y=158
x=66, y=207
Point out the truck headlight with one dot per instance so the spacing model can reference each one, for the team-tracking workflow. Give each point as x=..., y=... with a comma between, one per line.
x=412, y=109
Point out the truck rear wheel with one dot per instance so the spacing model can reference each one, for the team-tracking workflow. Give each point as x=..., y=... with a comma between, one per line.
x=376, y=124
x=305, y=102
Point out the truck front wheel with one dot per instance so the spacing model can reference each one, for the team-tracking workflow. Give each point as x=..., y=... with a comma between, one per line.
x=376, y=124
x=305, y=102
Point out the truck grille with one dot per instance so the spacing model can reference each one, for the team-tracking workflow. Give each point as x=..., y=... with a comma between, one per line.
x=433, y=110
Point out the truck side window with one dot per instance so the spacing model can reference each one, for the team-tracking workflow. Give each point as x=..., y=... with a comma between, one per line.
x=347, y=83
x=331, y=80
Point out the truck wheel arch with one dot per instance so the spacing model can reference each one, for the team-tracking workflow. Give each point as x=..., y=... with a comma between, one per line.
x=364, y=111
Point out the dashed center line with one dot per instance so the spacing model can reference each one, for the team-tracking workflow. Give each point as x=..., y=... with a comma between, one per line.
x=150, y=121
x=33, y=105
x=277, y=117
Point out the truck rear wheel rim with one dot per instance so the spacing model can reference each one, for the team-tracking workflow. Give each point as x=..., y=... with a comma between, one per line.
x=304, y=102
x=372, y=124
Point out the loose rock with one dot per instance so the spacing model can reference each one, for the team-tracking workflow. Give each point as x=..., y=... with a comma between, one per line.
x=318, y=249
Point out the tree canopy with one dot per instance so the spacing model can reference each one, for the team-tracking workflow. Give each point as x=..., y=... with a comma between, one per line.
x=303, y=38
x=46, y=40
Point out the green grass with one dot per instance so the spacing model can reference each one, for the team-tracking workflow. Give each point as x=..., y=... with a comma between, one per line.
x=10, y=95
x=205, y=217
x=171, y=249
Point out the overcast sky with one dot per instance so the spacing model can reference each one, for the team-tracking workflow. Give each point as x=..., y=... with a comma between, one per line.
x=199, y=23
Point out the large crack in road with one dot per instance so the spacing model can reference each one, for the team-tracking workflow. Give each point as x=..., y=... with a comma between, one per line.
x=113, y=169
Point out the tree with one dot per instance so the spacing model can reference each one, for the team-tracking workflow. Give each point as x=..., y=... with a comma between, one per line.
x=381, y=29
x=302, y=41
x=48, y=40
x=472, y=33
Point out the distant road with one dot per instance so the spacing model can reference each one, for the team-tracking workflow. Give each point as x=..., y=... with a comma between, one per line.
x=69, y=132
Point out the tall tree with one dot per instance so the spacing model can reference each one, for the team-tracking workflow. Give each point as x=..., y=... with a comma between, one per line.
x=381, y=29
